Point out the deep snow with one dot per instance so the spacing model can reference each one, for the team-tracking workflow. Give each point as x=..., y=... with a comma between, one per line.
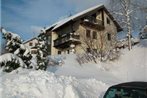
x=40, y=84
x=72, y=80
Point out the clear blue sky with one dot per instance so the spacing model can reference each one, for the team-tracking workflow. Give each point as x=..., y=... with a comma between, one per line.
x=27, y=17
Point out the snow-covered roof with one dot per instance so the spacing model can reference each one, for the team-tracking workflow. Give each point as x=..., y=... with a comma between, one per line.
x=144, y=29
x=78, y=15
x=62, y=22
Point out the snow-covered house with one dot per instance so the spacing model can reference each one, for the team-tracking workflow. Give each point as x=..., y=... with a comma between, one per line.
x=95, y=23
x=143, y=33
x=31, y=44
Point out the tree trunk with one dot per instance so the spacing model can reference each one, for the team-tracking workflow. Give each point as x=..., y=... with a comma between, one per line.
x=129, y=40
x=129, y=31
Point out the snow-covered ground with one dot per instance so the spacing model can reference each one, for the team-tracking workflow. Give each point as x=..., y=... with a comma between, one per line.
x=72, y=80
x=40, y=84
x=132, y=66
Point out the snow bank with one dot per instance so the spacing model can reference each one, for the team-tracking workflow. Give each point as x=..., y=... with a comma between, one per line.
x=41, y=84
x=85, y=71
x=132, y=66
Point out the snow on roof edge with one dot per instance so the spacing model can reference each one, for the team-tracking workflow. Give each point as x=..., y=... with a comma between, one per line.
x=65, y=20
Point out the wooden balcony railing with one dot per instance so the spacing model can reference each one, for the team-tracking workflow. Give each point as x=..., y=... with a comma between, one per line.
x=93, y=23
x=65, y=39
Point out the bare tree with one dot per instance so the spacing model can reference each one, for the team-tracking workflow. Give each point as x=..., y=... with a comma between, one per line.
x=89, y=45
x=126, y=12
x=96, y=45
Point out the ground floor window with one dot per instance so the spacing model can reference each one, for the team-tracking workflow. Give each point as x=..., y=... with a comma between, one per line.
x=68, y=51
x=33, y=51
x=59, y=52
x=88, y=33
x=109, y=37
x=88, y=50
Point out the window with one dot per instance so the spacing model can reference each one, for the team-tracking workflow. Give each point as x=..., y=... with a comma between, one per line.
x=94, y=15
x=94, y=35
x=109, y=37
x=30, y=44
x=33, y=51
x=68, y=51
x=59, y=52
x=108, y=21
x=87, y=33
x=88, y=50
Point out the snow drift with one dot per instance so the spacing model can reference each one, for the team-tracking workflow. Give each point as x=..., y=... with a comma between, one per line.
x=40, y=84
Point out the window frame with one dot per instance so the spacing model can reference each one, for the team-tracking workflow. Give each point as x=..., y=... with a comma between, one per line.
x=108, y=20
x=109, y=38
x=94, y=35
x=30, y=44
x=88, y=35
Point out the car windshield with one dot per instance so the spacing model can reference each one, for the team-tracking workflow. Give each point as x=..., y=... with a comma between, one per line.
x=125, y=93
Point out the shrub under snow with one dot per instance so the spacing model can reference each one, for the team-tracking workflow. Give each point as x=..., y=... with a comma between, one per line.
x=10, y=62
x=15, y=46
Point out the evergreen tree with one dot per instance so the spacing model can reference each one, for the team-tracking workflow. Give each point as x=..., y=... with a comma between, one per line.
x=42, y=59
x=15, y=46
x=143, y=33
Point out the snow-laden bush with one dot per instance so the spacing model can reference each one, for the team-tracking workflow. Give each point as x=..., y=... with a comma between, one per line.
x=112, y=55
x=10, y=62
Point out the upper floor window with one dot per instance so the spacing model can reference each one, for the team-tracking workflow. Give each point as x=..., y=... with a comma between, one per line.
x=108, y=21
x=33, y=51
x=30, y=44
x=109, y=37
x=87, y=33
x=94, y=35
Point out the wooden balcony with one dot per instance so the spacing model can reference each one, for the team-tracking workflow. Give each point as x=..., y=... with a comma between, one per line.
x=93, y=23
x=66, y=41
